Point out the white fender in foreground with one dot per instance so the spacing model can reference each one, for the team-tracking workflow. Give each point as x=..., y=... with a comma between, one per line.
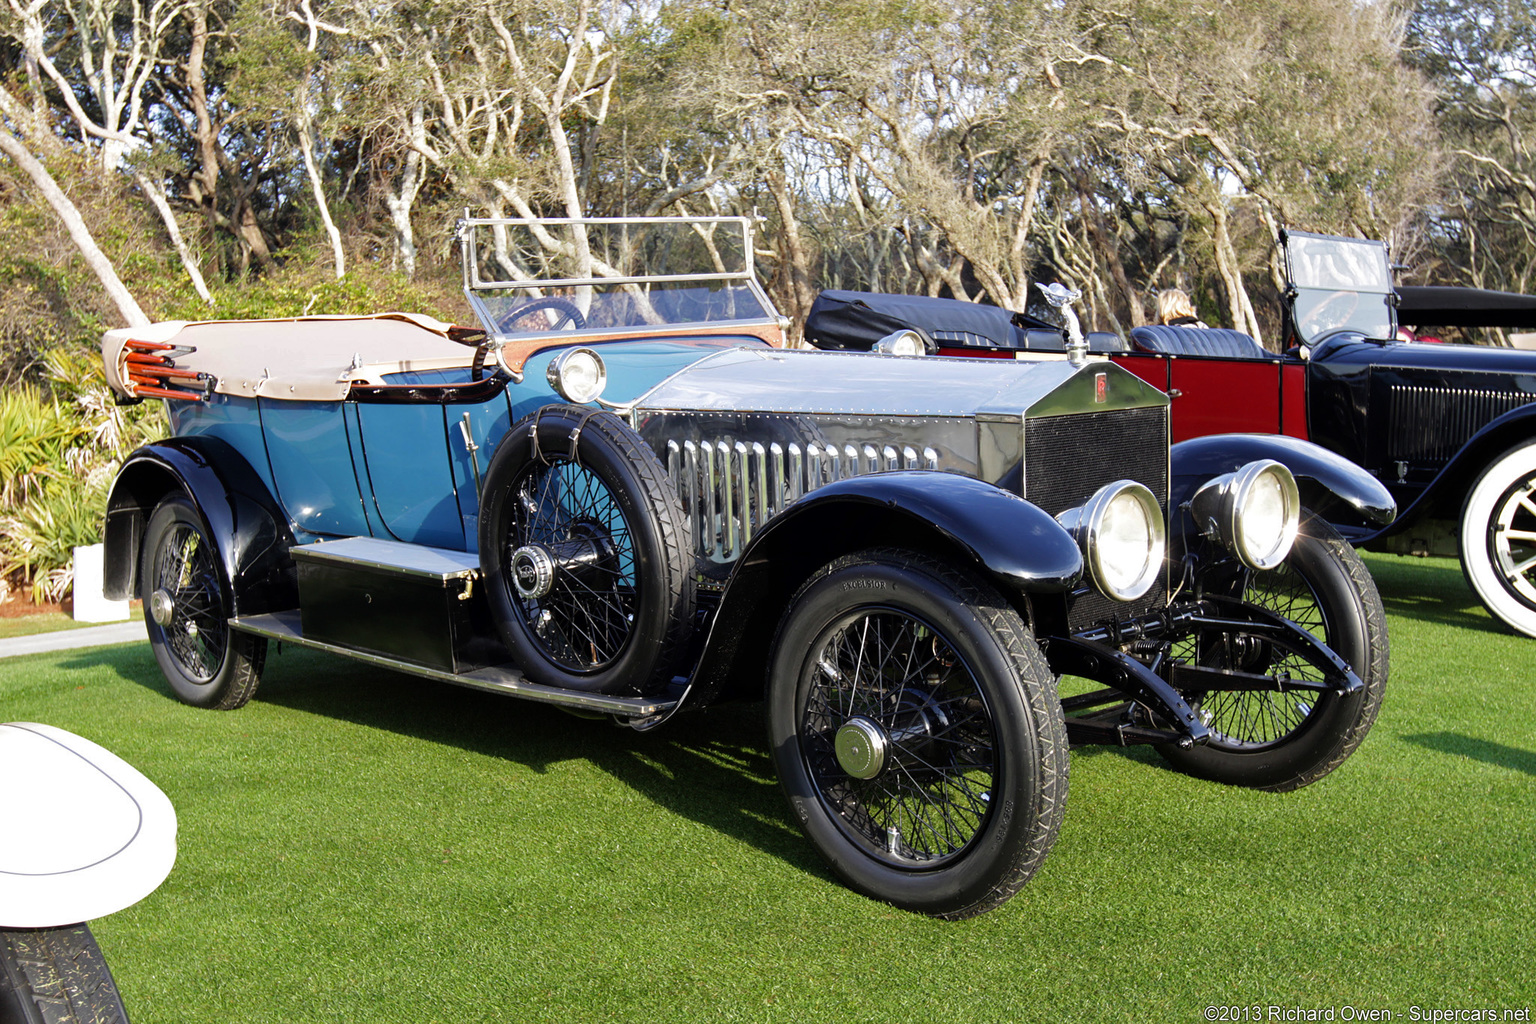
x=82, y=833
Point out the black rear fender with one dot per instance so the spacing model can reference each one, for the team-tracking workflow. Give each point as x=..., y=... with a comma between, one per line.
x=960, y=520
x=247, y=526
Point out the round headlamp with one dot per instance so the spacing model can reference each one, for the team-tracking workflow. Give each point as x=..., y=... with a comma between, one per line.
x=1254, y=510
x=907, y=342
x=1120, y=532
x=577, y=375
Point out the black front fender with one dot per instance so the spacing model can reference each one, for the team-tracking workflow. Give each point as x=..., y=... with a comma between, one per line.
x=1330, y=484
x=1002, y=537
x=247, y=526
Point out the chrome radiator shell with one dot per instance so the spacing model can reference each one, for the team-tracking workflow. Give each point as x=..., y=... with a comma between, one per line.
x=745, y=433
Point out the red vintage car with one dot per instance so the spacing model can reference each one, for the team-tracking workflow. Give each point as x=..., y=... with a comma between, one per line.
x=1448, y=429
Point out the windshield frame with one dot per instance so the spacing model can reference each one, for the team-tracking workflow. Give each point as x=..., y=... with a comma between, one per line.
x=486, y=294
x=1338, y=284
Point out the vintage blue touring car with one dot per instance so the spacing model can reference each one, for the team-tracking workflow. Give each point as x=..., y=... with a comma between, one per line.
x=619, y=494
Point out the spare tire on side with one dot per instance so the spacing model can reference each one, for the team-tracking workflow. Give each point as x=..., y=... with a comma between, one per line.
x=586, y=554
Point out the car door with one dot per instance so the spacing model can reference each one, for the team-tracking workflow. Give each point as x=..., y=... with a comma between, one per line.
x=1225, y=395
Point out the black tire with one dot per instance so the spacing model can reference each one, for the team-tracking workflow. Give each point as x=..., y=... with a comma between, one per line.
x=936, y=669
x=1498, y=538
x=616, y=618
x=1283, y=741
x=56, y=976
x=187, y=607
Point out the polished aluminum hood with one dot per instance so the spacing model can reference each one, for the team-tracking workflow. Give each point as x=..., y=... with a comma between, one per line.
x=821, y=383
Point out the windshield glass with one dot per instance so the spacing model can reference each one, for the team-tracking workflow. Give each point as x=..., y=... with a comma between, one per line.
x=1341, y=284
x=534, y=276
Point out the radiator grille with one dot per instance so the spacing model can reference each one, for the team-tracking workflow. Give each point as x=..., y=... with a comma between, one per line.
x=1430, y=424
x=1067, y=458
x=731, y=488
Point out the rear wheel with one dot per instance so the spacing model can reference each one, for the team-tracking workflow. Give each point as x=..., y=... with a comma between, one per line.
x=917, y=734
x=56, y=976
x=187, y=607
x=1283, y=741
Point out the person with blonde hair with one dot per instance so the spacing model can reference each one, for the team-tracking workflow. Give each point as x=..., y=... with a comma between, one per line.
x=1176, y=310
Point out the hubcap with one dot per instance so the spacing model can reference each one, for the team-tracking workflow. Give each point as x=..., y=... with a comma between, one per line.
x=860, y=745
x=533, y=571
x=161, y=607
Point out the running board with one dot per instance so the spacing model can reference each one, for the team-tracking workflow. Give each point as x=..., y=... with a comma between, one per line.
x=284, y=627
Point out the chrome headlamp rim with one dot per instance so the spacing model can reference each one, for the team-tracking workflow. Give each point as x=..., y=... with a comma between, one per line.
x=909, y=341
x=1266, y=552
x=565, y=370
x=1087, y=525
x=1224, y=508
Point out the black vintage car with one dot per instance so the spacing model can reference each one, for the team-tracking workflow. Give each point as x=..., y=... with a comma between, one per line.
x=1448, y=429
x=620, y=495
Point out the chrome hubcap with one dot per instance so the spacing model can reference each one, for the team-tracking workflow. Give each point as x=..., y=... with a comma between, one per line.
x=860, y=745
x=533, y=571
x=161, y=607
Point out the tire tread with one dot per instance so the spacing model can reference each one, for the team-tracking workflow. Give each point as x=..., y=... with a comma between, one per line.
x=57, y=976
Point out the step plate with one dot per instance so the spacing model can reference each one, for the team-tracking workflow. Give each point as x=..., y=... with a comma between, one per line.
x=284, y=627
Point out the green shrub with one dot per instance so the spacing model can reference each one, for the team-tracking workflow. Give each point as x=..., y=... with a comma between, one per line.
x=58, y=454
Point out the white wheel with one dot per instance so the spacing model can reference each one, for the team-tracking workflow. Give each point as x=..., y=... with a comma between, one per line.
x=1498, y=538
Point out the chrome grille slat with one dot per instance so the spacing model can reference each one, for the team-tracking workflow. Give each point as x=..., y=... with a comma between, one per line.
x=731, y=488
x=1430, y=424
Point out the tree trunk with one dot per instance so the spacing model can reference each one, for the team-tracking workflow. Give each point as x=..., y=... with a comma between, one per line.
x=168, y=216
x=94, y=257
x=798, y=285
x=401, y=198
x=307, y=147
x=206, y=135
x=1239, y=305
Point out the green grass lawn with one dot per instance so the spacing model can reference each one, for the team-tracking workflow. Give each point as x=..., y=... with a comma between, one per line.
x=357, y=845
x=50, y=621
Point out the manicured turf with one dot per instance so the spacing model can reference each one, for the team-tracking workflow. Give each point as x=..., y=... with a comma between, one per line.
x=48, y=622
x=359, y=846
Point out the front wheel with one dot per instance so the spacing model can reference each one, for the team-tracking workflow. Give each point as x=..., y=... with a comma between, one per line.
x=917, y=734
x=187, y=607
x=56, y=976
x=1283, y=741
x=1498, y=538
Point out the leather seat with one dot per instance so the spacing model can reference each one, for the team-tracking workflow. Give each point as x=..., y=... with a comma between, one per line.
x=1197, y=341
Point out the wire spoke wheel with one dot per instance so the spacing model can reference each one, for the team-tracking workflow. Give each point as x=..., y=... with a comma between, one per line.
x=1282, y=740
x=587, y=616
x=918, y=707
x=586, y=554
x=197, y=633
x=916, y=732
x=187, y=608
x=1252, y=719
